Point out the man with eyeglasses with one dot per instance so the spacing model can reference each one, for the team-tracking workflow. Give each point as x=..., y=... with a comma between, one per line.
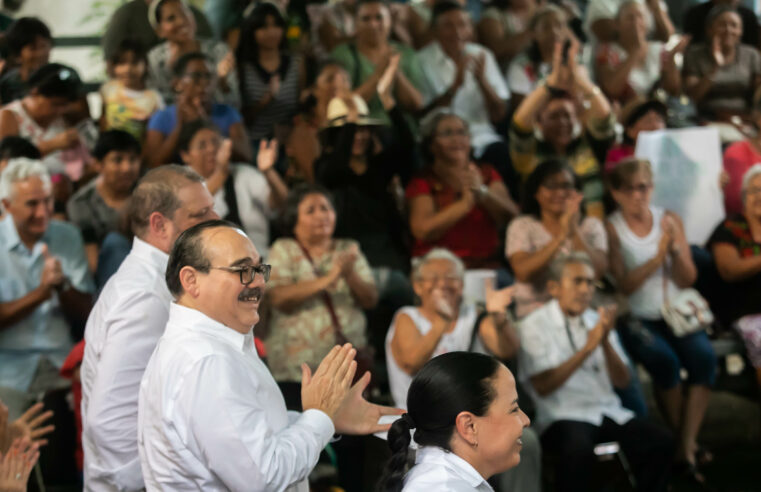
x=211, y=416
x=127, y=321
x=572, y=359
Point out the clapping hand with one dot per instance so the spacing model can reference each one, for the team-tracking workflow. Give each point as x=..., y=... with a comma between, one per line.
x=570, y=219
x=17, y=464
x=328, y=387
x=358, y=416
x=497, y=301
x=718, y=55
x=52, y=272
x=267, y=156
x=385, y=84
x=226, y=65
x=598, y=334
x=31, y=426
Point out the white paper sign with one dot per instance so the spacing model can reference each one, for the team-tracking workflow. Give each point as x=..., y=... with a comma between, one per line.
x=686, y=167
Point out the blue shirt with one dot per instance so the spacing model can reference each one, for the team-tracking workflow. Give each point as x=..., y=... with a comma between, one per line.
x=44, y=332
x=222, y=115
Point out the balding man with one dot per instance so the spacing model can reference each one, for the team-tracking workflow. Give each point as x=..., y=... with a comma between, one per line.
x=211, y=415
x=128, y=320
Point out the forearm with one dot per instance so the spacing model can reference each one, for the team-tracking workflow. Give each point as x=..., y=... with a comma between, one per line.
x=407, y=94
x=442, y=100
x=289, y=297
x=76, y=305
x=599, y=258
x=529, y=107
x=599, y=107
x=697, y=88
x=499, y=336
x=496, y=106
x=615, y=80
x=739, y=269
x=500, y=207
x=671, y=80
x=433, y=227
x=278, y=188
x=633, y=279
x=529, y=264
x=14, y=311
x=412, y=357
x=363, y=292
x=664, y=28
x=369, y=88
x=48, y=146
x=617, y=369
x=166, y=148
x=683, y=270
x=548, y=381
x=216, y=181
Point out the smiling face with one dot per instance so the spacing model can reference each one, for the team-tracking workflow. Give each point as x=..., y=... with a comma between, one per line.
x=451, y=141
x=197, y=82
x=453, y=29
x=728, y=27
x=752, y=197
x=501, y=428
x=633, y=197
x=373, y=23
x=557, y=122
x=221, y=295
x=130, y=70
x=31, y=206
x=120, y=170
x=316, y=219
x=201, y=155
x=439, y=277
x=270, y=35
x=575, y=288
x=36, y=54
x=177, y=24
x=554, y=192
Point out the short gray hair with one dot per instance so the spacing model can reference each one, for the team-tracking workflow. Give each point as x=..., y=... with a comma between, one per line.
x=21, y=169
x=437, y=254
x=157, y=192
x=751, y=173
x=557, y=267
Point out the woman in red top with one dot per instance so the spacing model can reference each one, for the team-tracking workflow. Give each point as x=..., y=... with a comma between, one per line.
x=455, y=203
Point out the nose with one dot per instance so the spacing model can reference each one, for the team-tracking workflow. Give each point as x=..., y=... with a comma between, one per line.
x=524, y=418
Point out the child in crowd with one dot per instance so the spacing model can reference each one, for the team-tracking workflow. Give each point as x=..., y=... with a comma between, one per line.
x=29, y=42
x=127, y=103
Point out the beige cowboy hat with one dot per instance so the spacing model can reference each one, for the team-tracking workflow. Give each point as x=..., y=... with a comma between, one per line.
x=338, y=111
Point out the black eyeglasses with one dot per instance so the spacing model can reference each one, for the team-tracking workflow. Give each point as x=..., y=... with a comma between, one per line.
x=248, y=273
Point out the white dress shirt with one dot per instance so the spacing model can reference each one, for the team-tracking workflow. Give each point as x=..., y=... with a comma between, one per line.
x=211, y=416
x=443, y=471
x=468, y=103
x=587, y=396
x=121, y=333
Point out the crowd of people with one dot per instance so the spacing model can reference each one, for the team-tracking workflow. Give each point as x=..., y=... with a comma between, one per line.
x=443, y=194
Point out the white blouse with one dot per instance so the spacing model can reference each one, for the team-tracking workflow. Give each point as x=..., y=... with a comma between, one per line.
x=212, y=418
x=443, y=471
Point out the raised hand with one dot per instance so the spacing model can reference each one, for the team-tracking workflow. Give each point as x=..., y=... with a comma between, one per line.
x=570, y=218
x=17, y=464
x=599, y=333
x=474, y=179
x=479, y=67
x=441, y=305
x=385, y=84
x=328, y=387
x=224, y=152
x=718, y=56
x=52, y=272
x=358, y=416
x=267, y=156
x=497, y=301
x=31, y=426
x=560, y=76
x=226, y=65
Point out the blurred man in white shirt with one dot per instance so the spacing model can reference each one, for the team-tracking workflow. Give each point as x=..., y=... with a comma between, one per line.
x=211, y=416
x=127, y=321
x=572, y=359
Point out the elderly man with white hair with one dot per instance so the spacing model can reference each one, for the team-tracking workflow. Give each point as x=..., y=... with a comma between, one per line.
x=45, y=285
x=443, y=323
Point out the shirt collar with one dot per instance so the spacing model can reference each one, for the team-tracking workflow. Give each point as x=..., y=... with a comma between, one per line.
x=149, y=253
x=183, y=318
x=587, y=317
x=460, y=467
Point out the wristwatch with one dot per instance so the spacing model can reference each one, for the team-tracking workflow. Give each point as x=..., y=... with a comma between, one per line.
x=481, y=191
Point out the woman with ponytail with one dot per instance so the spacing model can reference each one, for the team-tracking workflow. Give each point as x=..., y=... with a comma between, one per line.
x=464, y=410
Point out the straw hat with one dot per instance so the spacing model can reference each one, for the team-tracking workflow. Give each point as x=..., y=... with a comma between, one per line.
x=338, y=110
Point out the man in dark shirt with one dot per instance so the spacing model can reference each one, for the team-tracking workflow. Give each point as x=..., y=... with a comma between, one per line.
x=696, y=16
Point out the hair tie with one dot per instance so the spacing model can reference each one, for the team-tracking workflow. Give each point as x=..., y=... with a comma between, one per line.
x=408, y=420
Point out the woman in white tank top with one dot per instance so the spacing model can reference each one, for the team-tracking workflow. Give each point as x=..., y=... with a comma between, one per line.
x=646, y=244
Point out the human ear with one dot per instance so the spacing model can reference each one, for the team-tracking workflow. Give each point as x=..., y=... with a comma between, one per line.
x=553, y=288
x=465, y=425
x=189, y=281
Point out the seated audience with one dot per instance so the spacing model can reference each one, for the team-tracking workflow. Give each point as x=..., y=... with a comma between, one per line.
x=334, y=26
x=739, y=157
x=360, y=175
x=456, y=401
x=271, y=77
x=318, y=289
x=631, y=65
x=38, y=116
x=736, y=248
x=548, y=27
x=130, y=21
x=194, y=84
x=45, y=288
x=721, y=74
x=95, y=207
x=553, y=107
x=600, y=20
x=173, y=22
x=639, y=115
x=367, y=57
x=127, y=103
x=244, y=195
x=465, y=77
x=505, y=28
x=694, y=24
x=29, y=42
x=572, y=359
x=650, y=261
x=553, y=224
x=127, y=321
x=454, y=203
